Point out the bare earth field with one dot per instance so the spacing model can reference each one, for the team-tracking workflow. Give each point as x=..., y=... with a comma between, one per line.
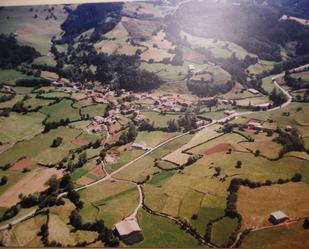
x=29, y=184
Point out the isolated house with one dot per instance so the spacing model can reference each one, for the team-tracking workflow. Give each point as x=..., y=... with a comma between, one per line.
x=253, y=91
x=191, y=68
x=57, y=84
x=129, y=231
x=140, y=146
x=278, y=217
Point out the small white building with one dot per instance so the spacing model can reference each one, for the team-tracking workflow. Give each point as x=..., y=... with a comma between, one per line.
x=129, y=231
x=191, y=68
x=229, y=112
x=278, y=217
x=140, y=146
x=57, y=84
x=99, y=119
x=253, y=91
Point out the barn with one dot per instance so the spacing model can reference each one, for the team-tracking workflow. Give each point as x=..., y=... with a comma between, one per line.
x=129, y=231
x=278, y=217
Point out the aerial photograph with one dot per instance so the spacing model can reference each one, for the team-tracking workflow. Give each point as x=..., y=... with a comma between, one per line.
x=154, y=124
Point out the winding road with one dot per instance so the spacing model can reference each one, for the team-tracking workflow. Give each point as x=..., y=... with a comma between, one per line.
x=110, y=176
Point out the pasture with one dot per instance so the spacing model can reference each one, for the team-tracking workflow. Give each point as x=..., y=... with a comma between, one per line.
x=28, y=184
x=10, y=103
x=290, y=236
x=222, y=230
x=291, y=198
x=61, y=110
x=94, y=110
x=260, y=67
x=219, y=49
x=159, y=119
x=38, y=147
x=154, y=138
x=21, y=22
x=19, y=127
x=25, y=233
x=105, y=201
x=10, y=76
x=36, y=102
x=161, y=232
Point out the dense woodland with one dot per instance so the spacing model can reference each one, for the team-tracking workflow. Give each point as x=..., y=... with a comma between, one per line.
x=247, y=25
x=13, y=54
x=102, y=17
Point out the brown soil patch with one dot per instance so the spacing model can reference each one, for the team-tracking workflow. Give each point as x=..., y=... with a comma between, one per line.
x=24, y=164
x=80, y=142
x=84, y=180
x=29, y=184
x=218, y=148
x=97, y=171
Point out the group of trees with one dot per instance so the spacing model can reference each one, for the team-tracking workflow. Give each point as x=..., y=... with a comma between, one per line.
x=188, y=121
x=203, y=88
x=247, y=25
x=12, y=54
x=291, y=141
x=129, y=136
x=103, y=17
x=294, y=83
x=277, y=97
x=3, y=180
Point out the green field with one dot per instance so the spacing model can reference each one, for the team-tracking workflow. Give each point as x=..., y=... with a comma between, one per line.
x=61, y=110
x=94, y=110
x=123, y=158
x=158, y=119
x=10, y=76
x=38, y=148
x=36, y=102
x=21, y=22
x=54, y=94
x=10, y=103
x=219, y=49
x=222, y=230
x=169, y=72
x=153, y=138
x=18, y=127
x=161, y=232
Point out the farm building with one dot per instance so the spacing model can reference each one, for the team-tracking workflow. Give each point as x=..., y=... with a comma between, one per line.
x=7, y=89
x=139, y=118
x=191, y=68
x=99, y=119
x=140, y=146
x=288, y=128
x=229, y=112
x=129, y=231
x=206, y=101
x=254, y=124
x=253, y=91
x=278, y=217
x=57, y=84
x=199, y=123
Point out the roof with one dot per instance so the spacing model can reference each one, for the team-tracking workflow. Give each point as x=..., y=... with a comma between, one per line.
x=127, y=226
x=252, y=90
x=279, y=215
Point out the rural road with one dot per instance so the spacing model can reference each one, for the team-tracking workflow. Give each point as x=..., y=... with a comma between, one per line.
x=109, y=176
